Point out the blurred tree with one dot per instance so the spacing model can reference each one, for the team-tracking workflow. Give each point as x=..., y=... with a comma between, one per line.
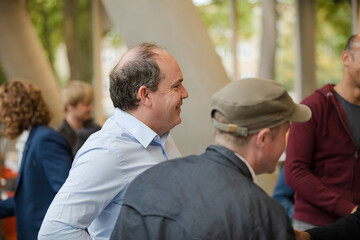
x=47, y=18
x=285, y=52
x=333, y=28
x=22, y=54
x=66, y=21
x=78, y=38
x=2, y=76
x=216, y=16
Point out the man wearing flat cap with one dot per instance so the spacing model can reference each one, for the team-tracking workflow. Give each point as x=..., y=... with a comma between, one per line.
x=213, y=196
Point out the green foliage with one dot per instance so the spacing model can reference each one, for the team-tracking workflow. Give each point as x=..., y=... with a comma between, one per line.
x=285, y=53
x=216, y=16
x=114, y=38
x=47, y=18
x=333, y=27
x=332, y=31
x=2, y=76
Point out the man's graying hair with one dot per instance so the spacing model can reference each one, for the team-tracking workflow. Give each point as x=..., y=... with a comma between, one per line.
x=126, y=80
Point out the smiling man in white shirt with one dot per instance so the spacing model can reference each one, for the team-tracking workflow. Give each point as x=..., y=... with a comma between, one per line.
x=147, y=92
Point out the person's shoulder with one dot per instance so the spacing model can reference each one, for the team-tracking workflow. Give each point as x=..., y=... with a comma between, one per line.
x=61, y=126
x=318, y=100
x=92, y=125
x=44, y=132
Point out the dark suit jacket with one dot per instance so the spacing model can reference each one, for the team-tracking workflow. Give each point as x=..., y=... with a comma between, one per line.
x=77, y=139
x=44, y=168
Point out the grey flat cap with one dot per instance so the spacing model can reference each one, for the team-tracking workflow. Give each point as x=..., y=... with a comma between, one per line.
x=252, y=104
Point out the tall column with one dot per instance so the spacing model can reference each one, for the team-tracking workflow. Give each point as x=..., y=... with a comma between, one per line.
x=305, y=80
x=355, y=7
x=268, y=39
x=97, y=46
x=178, y=27
x=234, y=26
x=22, y=55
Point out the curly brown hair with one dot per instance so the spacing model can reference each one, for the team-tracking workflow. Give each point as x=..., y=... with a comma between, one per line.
x=21, y=106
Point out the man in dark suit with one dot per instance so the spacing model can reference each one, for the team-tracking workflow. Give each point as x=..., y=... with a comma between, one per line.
x=45, y=156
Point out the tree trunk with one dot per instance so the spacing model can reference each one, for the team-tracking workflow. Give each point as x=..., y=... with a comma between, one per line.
x=78, y=38
x=355, y=7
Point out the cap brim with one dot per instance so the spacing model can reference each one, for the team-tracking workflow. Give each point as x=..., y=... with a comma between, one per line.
x=302, y=113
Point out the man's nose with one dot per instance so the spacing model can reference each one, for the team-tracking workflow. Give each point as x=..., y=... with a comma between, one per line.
x=184, y=93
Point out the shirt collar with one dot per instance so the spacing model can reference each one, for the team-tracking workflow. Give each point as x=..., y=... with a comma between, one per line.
x=139, y=130
x=249, y=167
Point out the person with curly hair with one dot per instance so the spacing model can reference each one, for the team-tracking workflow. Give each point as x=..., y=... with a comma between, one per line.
x=45, y=155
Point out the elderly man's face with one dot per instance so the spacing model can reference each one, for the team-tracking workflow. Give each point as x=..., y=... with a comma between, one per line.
x=167, y=99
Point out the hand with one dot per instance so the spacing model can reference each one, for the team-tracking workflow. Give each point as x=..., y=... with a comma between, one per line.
x=354, y=209
x=300, y=235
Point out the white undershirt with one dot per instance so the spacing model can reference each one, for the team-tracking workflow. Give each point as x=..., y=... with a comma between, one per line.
x=20, y=144
x=249, y=167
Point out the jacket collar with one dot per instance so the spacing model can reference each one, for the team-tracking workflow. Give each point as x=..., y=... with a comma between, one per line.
x=229, y=159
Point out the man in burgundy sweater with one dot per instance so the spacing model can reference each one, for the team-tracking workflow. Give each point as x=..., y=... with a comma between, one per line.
x=322, y=158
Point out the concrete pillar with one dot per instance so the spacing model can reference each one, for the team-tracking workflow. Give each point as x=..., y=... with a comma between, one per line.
x=97, y=46
x=305, y=80
x=355, y=8
x=234, y=26
x=177, y=26
x=22, y=55
x=268, y=39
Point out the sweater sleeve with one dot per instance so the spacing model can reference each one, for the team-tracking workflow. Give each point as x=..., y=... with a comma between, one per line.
x=7, y=208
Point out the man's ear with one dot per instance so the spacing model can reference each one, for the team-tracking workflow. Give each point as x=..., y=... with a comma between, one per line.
x=346, y=57
x=143, y=94
x=69, y=107
x=263, y=137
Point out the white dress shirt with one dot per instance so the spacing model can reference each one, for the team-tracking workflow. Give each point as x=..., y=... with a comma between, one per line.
x=110, y=159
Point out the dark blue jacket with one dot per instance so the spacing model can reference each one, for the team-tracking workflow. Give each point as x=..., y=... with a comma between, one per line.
x=44, y=167
x=211, y=196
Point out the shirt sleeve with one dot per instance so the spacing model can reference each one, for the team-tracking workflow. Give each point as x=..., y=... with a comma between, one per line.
x=93, y=183
x=7, y=208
